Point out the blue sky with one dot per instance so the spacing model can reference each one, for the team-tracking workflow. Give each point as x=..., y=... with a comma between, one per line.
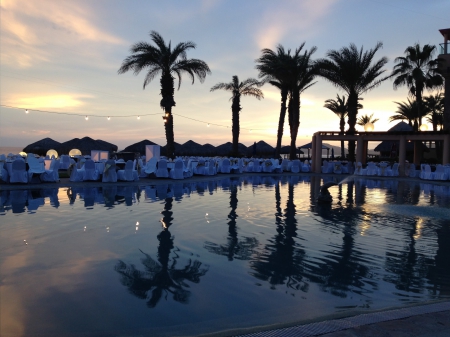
x=63, y=56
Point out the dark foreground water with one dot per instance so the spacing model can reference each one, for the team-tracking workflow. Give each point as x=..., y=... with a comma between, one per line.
x=192, y=258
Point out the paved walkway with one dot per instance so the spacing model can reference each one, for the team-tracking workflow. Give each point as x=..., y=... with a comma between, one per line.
x=431, y=320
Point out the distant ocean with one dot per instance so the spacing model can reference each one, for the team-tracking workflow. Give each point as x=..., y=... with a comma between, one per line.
x=10, y=149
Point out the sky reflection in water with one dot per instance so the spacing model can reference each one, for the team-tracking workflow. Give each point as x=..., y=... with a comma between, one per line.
x=190, y=258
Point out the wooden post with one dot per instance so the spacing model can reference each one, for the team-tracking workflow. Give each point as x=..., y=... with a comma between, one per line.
x=318, y=154
x=402, y=156
x=360, y=149
x=313, y=154
x=446, y=151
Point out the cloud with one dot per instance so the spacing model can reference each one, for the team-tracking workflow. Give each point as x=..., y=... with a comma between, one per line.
x=295, y=18
x=40, y=102
x=31, y=30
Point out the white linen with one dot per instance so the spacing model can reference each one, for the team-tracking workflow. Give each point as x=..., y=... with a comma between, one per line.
x=18, y=172
x=128, y=174
x=162, y=171
x=52, y=173
x=109, y=172
x=177, y=171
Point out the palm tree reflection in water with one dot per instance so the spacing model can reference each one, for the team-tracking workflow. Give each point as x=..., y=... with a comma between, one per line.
x=281, y=261
x=234, y=248
x=162, y=277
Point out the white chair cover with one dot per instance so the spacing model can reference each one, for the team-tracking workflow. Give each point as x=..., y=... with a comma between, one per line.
x=225, y=166
x=34, y=166
x=64, y=162
x=305, y=166
x=177, y=171
x=150, y=166
x=392, y=172
x=211, y=168
x=285, y=165
x=412, y=171
x=162, y=171
x=90, y=172
x=440, y=173
x=257, y=166
x=383, y=169
x=128, y=174
x=18, y=172
x=3, y=171
x=425, y=172
x=109, y=172
x=52, y=174
x=372, y=169
x=200, y=169
x=267, y=166
x=295, y=168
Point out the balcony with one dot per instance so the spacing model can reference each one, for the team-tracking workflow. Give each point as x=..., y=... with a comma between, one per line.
x=444, y=48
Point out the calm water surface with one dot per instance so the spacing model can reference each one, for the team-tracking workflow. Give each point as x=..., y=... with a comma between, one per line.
x=192, y=258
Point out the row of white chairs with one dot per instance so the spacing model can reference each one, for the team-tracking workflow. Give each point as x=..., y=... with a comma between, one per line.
x=18, y=172
x=383, y=169
x=442, y=172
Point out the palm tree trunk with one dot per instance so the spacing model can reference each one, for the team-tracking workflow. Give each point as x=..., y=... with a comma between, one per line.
x=352, y=117
x=342, y=127
x=294, y=121
x=235, y=108
x=447, y=103
x=284, y=94
x=167, y=102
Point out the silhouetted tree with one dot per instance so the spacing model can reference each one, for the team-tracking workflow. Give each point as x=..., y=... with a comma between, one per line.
x=340, y=108
x=406, y=111
x=161, y=58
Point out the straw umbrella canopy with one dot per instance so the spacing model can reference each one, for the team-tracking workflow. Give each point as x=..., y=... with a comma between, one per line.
x=138, y=147
x=262, y=149
x=177, y=148
x=85, y=145
x=190, y=148
x=226, y=149
x=309, y=147
x=209, y=150
x=287, y=150
x=42, y=146
x=386, y=146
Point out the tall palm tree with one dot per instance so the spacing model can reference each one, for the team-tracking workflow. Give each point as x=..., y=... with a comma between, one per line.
x=355, y=72
x=161, y=58
x=273, y=68
x=406, y=111
x=303, y=70
x=417, y=70
x=434, y=106
x=238, y=89
x=363, y=120
x=339, y=107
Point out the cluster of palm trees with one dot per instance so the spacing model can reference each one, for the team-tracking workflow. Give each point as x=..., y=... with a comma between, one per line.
x=350, y=69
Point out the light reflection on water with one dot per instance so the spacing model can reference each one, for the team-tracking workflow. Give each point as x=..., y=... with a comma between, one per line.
x=191, y=258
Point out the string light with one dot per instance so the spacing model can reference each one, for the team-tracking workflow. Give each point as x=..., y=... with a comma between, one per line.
x=86, y=117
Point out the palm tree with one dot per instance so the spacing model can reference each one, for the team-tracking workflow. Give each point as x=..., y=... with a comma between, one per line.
x=303, y=71
x=162, y=59
x=273, y=68
x=339, y=107
x=434, y=106
x=238, y=89
x=365, y=119
x=417, y=70
x=352, y=70
x=406, y=111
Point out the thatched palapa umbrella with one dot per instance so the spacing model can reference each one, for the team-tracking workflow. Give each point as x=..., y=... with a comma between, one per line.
x=138, y=147
x=42, y=146
x=85, y=145
x=262, y=149
x=226, y=149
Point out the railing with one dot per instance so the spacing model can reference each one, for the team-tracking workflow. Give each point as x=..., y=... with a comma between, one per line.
x=444, y=48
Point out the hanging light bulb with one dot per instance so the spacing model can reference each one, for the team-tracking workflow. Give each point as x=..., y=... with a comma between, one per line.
x=109, y=118
x=26, y=111
x=208, y=125
x=167, y=114
x=250, y=130
x=86, y=118
x=139, y=117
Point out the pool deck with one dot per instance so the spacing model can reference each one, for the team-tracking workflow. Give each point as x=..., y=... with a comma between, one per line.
x=416, y=321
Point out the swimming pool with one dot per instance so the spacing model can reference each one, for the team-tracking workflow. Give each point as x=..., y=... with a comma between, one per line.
x=207, y=256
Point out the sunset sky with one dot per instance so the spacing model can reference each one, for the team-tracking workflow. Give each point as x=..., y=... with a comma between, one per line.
x=63, y=56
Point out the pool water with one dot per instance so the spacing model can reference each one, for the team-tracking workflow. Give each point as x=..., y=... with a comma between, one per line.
x=201, y=257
